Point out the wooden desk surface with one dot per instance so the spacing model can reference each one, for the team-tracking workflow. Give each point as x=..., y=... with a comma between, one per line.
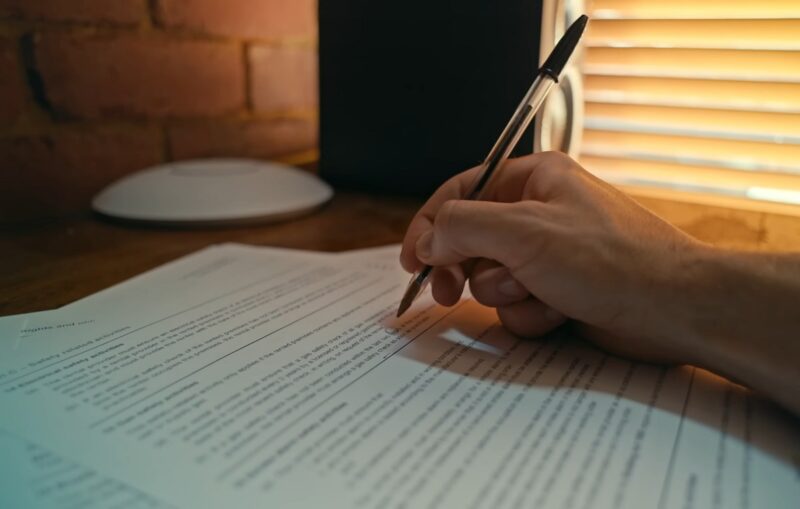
x=48, y=266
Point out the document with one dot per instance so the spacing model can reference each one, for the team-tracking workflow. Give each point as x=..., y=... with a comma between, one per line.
x=35, y=477
x=248, y=377
x=18, y=327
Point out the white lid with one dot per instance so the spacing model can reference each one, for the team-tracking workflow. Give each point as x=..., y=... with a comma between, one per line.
x=213, y=190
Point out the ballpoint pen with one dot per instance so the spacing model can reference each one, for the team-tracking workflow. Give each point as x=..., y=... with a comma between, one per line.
x=546, y=77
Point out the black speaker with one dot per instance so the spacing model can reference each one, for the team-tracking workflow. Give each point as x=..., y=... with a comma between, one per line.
x=413, y=92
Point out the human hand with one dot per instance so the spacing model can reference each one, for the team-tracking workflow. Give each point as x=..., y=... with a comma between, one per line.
x=554, y=243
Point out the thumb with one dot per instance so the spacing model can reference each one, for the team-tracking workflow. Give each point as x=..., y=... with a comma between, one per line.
x=479, y=229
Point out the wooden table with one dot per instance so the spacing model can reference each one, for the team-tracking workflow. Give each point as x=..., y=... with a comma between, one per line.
x=50, y=265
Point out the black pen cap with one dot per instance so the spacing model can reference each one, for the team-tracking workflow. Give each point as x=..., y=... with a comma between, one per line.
x=558, y=57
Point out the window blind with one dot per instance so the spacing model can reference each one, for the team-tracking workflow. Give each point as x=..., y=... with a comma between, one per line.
x=696, y=96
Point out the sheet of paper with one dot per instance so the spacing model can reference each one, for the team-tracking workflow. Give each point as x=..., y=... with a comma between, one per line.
x=42, y=323
x=35, y=477
x=285, y=379
x=385, y=258
x=18, y=327
x=148, y=287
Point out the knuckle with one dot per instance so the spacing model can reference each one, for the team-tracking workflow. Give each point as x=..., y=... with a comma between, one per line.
x=445, y=217
x=525, y=208
x=525, y=216
x=556, y=158
x=531, y=235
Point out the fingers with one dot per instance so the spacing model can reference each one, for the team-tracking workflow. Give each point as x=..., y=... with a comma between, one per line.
x=447, y=284
x=529, y=318
x=539, y=176
x=504, y=232
x=493, y=285
x=453, y=189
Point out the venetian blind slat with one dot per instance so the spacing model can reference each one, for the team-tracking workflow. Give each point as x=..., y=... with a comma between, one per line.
x=699, y=96
x=755, y=125
x=622, y=168
x=734, y=154
x=710, y=64
x=694, y=9
x=768, y=34
x=698, y=93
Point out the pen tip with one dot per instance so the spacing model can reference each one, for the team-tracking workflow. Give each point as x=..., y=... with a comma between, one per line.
x=408, y=297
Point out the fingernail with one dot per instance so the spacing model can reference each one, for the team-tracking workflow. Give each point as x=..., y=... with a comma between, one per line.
x=425, y=245
x=510, y=287
x=553, y=315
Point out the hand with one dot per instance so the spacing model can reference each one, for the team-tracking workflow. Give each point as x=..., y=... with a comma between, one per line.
x=554, y=243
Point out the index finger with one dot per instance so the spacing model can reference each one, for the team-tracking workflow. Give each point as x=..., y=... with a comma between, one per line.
x=506, y=186
x=454, y=188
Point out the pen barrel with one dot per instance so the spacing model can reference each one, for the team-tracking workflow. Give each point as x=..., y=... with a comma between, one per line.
x=509, y=138
x=513, y=131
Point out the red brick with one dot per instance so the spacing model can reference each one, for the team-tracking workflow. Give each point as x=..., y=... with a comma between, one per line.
x=135, y=75
x=12, y=83
x=283, y=78
x=118, y=12
x=258, y=139
x=268, y=19
x=58, y=174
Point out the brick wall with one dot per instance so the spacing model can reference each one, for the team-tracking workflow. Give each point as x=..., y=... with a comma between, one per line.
x=93, y=89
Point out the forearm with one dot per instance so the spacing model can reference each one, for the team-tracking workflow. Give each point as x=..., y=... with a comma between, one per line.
x=745, y=321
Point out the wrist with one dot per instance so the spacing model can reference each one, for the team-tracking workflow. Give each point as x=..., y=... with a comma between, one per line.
x=692, y=318
x=717, y=299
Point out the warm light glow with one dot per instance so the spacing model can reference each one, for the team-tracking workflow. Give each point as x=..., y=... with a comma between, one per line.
x=699, y=96
x=694, y=9
x=776, y=195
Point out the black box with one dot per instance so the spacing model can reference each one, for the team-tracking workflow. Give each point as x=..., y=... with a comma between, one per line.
x=413, y=92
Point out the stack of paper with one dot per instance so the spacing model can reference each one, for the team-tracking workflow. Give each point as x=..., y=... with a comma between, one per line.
x=260, y=377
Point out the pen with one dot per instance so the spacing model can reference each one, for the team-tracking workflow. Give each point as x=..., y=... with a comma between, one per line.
x=545, y=79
